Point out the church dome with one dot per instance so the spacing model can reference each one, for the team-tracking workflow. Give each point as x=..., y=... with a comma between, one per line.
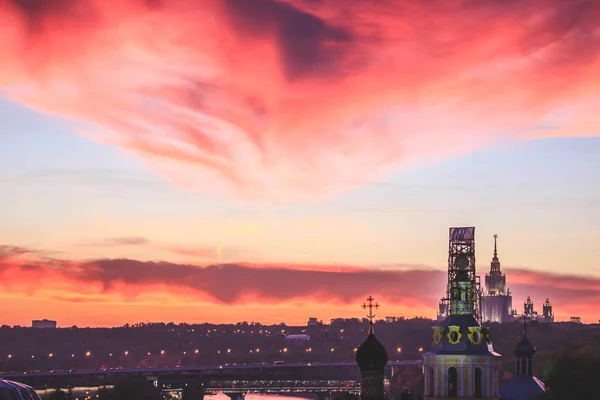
x=525, y=348
x=371, y=354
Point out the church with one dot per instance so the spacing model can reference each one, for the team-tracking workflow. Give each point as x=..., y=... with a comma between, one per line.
x=461, y=362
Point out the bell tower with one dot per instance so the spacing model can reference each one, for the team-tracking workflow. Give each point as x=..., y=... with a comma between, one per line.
x=461, y=362
x=463, y=285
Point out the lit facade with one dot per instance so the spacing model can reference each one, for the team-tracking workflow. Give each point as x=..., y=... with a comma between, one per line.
x=461, y=362
x=496, y=308
x=496, y=300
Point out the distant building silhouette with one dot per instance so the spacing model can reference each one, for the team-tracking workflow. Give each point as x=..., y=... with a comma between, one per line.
x=547, y=314
x=461, y=362
x=530, y=313
x=371, y=357
x=496, y=300
x=43, y=324
x=528, y=310
x=523, y=385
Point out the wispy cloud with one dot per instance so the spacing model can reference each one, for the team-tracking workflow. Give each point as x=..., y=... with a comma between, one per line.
x=118, y=241
x=294, y=100
x=202, y=252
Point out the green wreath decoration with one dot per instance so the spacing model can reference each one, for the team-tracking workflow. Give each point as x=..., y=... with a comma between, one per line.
x=438, y=333
x=475, y=335
x=454, y=334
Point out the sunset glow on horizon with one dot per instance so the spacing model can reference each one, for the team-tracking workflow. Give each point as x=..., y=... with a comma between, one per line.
x=169, y=161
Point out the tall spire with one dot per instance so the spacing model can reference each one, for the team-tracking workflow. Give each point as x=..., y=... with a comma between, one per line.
x=495, y=246
x=524, y=322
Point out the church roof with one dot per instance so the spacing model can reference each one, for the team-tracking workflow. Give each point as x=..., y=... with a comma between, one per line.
x=522, y=387
x=525, y=348
x=464, y=345
x=10, y=390
x=371, y=355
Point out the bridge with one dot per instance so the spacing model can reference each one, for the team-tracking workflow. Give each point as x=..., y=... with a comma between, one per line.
x=233, y=378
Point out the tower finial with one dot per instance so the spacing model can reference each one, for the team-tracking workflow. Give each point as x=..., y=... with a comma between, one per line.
x=524, y=320
x=370, y=305
x=495, y=245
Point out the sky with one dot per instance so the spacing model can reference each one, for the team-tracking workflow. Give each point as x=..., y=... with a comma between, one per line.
x=285, y=160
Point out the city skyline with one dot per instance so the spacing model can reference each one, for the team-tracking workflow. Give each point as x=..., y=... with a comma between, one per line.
x=300, y=150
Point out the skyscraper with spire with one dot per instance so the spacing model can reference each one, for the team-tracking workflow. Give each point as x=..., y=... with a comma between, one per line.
x=496, y=300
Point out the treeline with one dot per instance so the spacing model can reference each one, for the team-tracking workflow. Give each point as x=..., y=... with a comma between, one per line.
x=162, y=345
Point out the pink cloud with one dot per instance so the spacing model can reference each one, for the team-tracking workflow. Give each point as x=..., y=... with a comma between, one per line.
x=286, y=100
x=413, y=291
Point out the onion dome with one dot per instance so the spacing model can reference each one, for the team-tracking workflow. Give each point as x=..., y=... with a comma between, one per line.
x=371, y=354
x=525, y=348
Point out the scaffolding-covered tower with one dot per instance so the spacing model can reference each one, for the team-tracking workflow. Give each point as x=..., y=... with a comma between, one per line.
x=463, y=290
x=461, y=362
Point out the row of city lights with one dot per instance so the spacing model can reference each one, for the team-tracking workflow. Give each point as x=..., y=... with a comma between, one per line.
x=162, y=352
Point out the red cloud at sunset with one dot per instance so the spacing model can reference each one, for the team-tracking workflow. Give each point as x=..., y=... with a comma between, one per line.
x=283, y=100
x=281, y=291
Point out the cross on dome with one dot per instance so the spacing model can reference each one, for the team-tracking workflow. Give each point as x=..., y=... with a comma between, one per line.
x=524, y=320
x=370, y=305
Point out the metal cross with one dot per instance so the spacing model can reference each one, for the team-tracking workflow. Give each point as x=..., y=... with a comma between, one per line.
x=369, y=304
